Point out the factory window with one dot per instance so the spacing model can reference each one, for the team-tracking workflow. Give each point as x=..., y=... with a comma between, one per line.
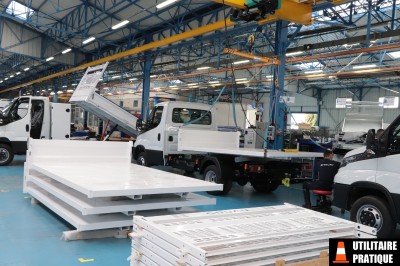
x=192, y=116
x=135, y=103
x=389, y=102
x=341, y=103
x=19, y=10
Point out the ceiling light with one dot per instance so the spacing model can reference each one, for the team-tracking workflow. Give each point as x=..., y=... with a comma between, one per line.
x=153, y=76
x=119, y=25
x=17, y=73
x=203, y=68
x=26, y=69
x=241, y=79
x=346, y=45
x=216, y=84
x=132, y=79
x=50, y=58
x=313, y=71
x=64, y=86
x=242, y=82
x=294, y=53
x=115, y=77
x=1, y=81
x=70, y=90
x=74, y=84
x=213, y=81
x=241, y=62
x=11, y=76
x=59, y=92
x=101, y=79
x=394, y=55
x=268, y=76
x=66, y=51
x=165, y=3
x=88, y=40
x=192, y=84
x=364, y=66
x=49, y=89
x=5, y=78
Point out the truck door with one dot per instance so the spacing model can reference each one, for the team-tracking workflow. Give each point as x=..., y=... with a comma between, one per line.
x=37, y=114
x=153, y=138
x=17, y=124
x=388, y=170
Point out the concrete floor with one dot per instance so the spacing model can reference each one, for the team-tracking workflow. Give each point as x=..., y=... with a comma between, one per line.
x=30, y=233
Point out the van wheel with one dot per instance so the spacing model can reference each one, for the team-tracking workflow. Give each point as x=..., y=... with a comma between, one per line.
x=6, y=154
x=142, y=160
x=213, y=174
x=265, y=186
x=372, y=211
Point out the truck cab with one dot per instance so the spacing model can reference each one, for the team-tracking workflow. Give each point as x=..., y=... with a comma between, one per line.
x=368, y=182
x=159, y=136
x=30, y=117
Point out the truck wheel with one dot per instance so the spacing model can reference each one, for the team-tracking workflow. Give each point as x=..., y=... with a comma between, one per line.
x=213, y=174
x=372, y=211
x=141, y=159
x=265, y=186
x=6, y=154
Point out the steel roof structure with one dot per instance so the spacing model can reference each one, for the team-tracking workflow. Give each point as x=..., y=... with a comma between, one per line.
x=343, y=36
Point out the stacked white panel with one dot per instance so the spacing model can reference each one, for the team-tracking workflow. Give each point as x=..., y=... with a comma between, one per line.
x=253, y=236
x=93, y=185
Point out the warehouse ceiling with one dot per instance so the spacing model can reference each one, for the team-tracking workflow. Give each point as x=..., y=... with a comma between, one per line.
x=348, y=46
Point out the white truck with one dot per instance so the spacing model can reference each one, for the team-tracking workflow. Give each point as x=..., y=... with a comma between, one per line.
x=368, y=182
x=31, y=117
x=184, y=135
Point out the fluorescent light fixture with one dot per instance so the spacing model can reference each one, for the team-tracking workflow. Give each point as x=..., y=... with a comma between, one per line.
x=115, y=77
x=17, y=73
x=11, y=76
x=74, y=84
x=350, y=44
x=364, y=66
x=192, y=84
x=70, y=90
x=153, y=76
x=203, y=68
x=5, y=78
x=213, y=81
x=165, y=3
x=88, y=40
x=216, y=84
x=119, y=25
x=59, y=92
x=26, y=69
x=241, y=79
x=268, y=76
x=242, y=82
x=313, y=71
x=132, y=79
x=394, y=55
x=1, y=81
x=294, y=53
x=49, y=89
x=241, y=62
x=64, y=86
x=66, y=51
x=50, y=58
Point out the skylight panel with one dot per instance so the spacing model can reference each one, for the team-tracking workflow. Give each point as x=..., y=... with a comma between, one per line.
x=19, y=10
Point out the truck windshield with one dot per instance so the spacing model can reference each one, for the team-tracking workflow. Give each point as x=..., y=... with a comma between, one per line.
x=17, y=109
x=193, y=116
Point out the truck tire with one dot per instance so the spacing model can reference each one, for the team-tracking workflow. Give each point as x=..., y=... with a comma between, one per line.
x=6, y=154
x=265, y=186
x=373, y=211
x=142, y=159
x=213, y=174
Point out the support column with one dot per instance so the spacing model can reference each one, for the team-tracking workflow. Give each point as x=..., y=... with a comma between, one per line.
x=319, y=103
x=148, y=64
x=277, y=109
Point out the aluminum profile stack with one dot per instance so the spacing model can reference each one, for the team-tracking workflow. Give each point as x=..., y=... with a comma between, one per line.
x=93, y=185
x=253, y=236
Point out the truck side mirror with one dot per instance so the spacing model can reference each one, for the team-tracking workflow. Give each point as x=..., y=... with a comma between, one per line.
x=370, y=139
